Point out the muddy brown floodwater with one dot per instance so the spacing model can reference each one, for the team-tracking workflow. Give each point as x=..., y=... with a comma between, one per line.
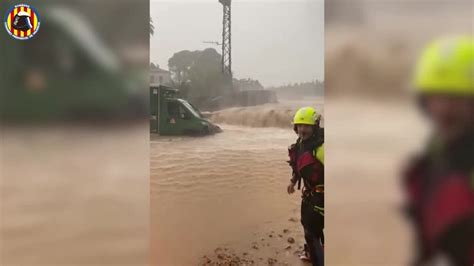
x=224, y=196
x=74, y=195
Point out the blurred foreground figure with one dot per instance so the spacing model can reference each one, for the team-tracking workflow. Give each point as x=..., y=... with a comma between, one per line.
x=440, y=182
x=307, y=163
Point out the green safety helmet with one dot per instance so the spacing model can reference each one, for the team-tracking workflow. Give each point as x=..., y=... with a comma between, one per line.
x=446, y=67
x=306, y=116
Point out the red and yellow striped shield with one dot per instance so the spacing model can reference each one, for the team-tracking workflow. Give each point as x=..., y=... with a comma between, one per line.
x=22, y=22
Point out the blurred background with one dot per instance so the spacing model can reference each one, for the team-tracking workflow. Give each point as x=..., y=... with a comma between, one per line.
x=373, y=122
x=74, y=136
x=221, y=199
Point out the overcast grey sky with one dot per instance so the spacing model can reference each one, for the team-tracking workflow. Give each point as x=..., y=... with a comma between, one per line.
x=276, y=42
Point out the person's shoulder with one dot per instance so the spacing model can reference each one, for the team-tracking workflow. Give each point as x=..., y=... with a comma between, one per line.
x=292, y=146
x=319, y=153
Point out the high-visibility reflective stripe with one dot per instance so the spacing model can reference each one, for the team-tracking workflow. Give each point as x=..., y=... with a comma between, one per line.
x=318, y=208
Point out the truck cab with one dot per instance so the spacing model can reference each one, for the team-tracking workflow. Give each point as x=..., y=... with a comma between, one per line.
x=170, y=115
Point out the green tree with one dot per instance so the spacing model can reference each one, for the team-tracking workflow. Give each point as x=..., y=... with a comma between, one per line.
x=199, y=74
x=180, y=64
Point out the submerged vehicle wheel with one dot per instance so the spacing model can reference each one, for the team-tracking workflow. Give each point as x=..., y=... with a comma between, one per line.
x=205, y=131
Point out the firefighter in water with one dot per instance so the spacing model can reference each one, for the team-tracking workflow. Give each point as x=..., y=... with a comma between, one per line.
x=307, y=163
x=440, y=182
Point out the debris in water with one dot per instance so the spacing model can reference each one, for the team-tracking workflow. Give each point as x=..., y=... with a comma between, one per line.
x=226, y=259
x=271, y=261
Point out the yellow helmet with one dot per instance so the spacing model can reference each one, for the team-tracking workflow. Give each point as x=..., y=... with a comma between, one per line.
x=447, y=67
x=306, y=116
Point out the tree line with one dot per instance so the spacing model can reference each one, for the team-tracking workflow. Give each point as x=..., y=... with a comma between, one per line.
x=314, y=87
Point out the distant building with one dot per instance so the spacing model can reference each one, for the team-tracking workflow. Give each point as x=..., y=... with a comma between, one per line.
x=247, y=84
x=159, y=76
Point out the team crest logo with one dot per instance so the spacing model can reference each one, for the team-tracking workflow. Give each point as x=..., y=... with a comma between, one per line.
x=22, y=22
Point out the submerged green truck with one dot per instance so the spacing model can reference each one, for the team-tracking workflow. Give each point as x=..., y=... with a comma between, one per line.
x=170, y=115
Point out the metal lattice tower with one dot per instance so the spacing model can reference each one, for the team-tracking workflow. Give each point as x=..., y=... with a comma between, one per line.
x=226, y=38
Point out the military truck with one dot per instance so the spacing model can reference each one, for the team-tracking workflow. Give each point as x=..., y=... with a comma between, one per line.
x=170, y=115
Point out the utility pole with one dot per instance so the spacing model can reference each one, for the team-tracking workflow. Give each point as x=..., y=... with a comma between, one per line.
x=226, y=38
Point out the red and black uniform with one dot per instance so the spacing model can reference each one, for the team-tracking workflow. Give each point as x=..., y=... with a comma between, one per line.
x=440, y=188
x=310, y=171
